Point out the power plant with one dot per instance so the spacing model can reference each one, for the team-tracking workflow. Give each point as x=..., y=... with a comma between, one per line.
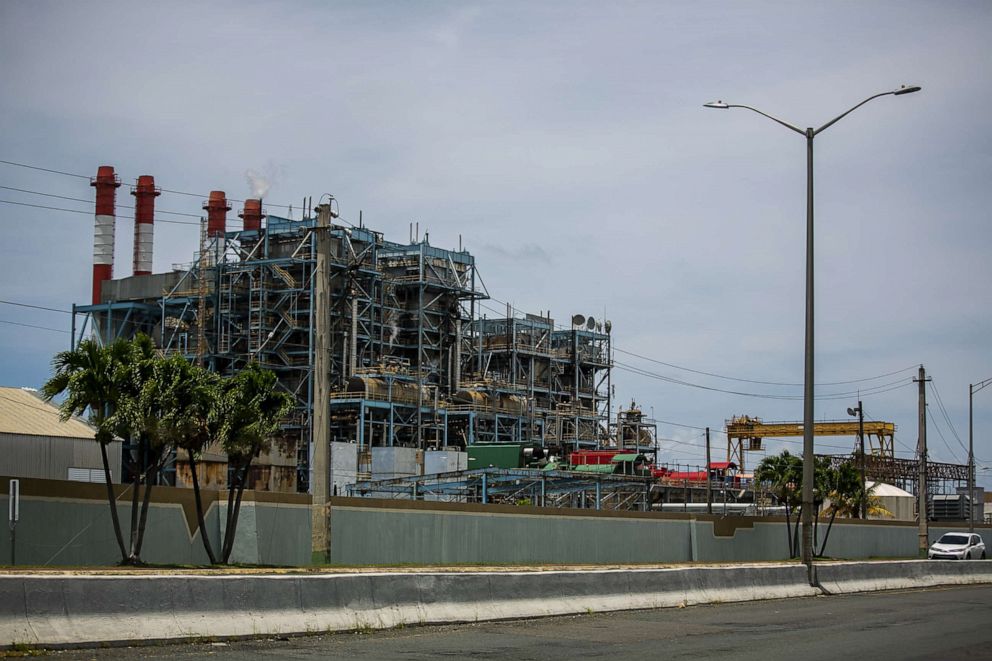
x=390, y=336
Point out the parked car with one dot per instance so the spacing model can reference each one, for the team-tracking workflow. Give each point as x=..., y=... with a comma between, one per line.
x=957, y=546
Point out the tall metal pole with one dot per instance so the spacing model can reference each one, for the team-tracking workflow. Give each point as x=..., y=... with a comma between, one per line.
x=972, y=389
x=971, y=460
x=709, y=476
x=861, y=448
x=808, y=472
x=921, y=449
x=807, y=513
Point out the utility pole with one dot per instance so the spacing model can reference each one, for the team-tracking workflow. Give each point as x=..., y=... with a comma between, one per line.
x=921, y=451
x=972, y=389
x=709, y=477
x=861, y=446
x=320, y=427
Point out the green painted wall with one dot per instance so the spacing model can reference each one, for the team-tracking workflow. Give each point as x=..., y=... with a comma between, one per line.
x=77, y=531
x=383, y=532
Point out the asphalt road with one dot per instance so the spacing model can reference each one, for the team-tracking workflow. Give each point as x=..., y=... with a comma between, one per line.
x=951, y=623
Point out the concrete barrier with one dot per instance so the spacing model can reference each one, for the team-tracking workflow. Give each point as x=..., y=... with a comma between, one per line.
x=79, y=610
x=848, y=577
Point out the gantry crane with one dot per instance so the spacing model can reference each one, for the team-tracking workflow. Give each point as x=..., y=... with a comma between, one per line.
x=744, y=434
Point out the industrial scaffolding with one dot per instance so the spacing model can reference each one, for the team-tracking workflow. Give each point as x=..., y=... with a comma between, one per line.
x=410, y=360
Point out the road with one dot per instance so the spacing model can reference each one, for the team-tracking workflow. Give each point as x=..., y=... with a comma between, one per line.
x=949, y=623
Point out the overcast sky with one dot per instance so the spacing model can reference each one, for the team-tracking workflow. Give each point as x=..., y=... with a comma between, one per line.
x=567, y=144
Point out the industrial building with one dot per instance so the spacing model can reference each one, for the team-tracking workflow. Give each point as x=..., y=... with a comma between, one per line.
x=36, y=443
x=383, y=344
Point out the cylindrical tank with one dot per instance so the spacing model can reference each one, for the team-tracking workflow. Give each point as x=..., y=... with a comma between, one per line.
x=473, y=398
x=376, y=388
x=106, y=184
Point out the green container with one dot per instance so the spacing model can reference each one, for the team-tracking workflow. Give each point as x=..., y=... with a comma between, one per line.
x=495, y=455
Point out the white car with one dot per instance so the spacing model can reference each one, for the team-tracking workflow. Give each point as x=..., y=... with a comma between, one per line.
x=957, y=546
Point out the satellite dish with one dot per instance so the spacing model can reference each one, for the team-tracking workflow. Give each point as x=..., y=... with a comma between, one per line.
x=591, y=323
x=850, y=411
x=578, y=320
x=608, y=326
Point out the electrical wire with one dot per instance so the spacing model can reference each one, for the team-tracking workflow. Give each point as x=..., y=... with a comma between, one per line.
x=16, y=323
x=36, y=307
x=767, y=383
x=89, y=213
x=164, y=190
x=886, y=387
x=79, y=199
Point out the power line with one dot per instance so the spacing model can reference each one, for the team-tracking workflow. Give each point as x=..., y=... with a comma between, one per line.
x=36, y=307
x=35, y=167
x=89, y=213
x=767, y=383
x=79, y=199
x=164, y=190
x=15, y=323
x=885, y=387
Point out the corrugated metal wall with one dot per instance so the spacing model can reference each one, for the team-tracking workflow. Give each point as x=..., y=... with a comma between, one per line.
x=51, y=457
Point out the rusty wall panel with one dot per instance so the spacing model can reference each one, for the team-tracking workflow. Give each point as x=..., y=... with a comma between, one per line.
x=211, y=474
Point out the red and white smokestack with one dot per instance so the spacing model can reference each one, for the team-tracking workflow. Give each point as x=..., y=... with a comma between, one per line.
x=217, y=208
x=106, y=184
x=144, y=218
x=252, y=215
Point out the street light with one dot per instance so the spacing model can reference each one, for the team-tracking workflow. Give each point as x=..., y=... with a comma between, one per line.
x=810, y=133
x=972, y=389
x=860, y=412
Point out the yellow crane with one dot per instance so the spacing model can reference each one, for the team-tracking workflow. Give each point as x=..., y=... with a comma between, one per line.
x=744, y=434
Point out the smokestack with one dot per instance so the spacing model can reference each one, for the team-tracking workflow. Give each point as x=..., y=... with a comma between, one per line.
x=106, y=184
x=144, y=217
x=252, y=215
x=217, y=208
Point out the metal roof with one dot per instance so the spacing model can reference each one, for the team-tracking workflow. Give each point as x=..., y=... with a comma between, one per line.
x=24, y=412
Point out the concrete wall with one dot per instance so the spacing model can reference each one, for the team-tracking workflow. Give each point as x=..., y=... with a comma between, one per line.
x=68, y=523
x=382, y=532
x=73, y=609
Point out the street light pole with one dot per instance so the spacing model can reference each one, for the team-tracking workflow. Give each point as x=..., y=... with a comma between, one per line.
x=863, y=505
x=972, y=389
x=808, y=389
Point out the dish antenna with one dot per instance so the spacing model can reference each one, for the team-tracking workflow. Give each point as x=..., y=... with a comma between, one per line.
x=591, y=323
x=578, y=320
x=851, y=411
x=608, y=326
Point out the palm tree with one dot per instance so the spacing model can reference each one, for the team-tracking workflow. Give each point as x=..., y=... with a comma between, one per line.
x=249, y=412
x=783, y=473
x=842, y=487
x=90, y=376
x=186, y=398
x=136, y=417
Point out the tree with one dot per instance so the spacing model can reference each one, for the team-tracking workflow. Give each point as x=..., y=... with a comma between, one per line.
x=136, y=418
x=783, y=474
x=90, y=376
x=249, y=413
x=188, y=399
x=846, y=497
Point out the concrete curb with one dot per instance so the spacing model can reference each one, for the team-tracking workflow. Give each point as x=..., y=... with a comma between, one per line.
x=56, y=611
